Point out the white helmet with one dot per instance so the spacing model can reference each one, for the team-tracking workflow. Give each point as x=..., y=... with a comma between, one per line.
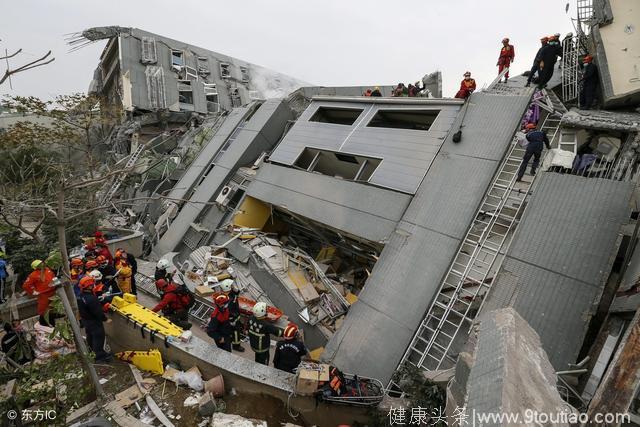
x=260, y=309
x=163, y=264
x=97, y=276
x=226, y=285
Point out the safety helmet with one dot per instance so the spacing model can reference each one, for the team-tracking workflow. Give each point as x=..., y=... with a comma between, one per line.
x=557, y=35
x=505, y=40
x=290, y=331
x=544, y=39
x=101, y=259
x=376, y=88
x=587, y=59
x=120, y=253
x=260, y=309
x=36, y=264
x=98, y=234
x=90, y=264
x=530, y=126
x=553, y=38
x=163, y=264
x=97, y=288
x=226, y=285
x=467, y=73
x=86, y=282
x=161, y=284
x=221, y=300
x=96, y=275
x=2, y=255
x=76, y=262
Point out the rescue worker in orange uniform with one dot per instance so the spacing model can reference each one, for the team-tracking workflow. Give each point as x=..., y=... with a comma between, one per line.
x=467, y=86
x=507, y=56
x=76, y=269
x=38, y=285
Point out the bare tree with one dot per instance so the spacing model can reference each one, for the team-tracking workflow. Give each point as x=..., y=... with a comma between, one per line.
x=28, y=66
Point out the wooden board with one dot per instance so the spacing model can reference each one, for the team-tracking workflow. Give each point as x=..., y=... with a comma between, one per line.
x=305, y=287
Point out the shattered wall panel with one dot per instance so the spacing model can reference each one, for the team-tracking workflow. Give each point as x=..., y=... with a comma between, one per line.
x=413, y=263
x=560, y=258
x=352, y=207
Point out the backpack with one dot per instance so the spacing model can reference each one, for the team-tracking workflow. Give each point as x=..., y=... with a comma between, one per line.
x=185, y=296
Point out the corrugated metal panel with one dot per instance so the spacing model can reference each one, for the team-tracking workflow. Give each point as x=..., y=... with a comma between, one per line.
x=413, y=263
x=406, y=154
x=352, y=207
x=560, y=258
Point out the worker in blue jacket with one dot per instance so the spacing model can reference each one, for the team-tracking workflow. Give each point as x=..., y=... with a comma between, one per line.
x=536, y=141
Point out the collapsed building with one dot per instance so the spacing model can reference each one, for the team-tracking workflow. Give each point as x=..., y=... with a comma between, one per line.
x=366, y=222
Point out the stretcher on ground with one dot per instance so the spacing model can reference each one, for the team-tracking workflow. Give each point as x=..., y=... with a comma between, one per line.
x=357, y=391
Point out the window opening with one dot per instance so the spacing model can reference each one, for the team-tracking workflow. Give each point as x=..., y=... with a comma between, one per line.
x=404, y=119
x=337, y=116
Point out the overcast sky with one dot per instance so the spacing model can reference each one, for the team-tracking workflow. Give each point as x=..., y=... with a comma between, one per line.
x=324, y=42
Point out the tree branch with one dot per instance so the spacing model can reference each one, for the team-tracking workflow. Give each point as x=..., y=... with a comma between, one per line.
x=33, y=64
x=33, y=234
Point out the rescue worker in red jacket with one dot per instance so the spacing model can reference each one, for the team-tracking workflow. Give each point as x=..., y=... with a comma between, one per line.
x=174, y=304
x=38, y=285
x=467, y=86
x=507, y=56
x=219, y=327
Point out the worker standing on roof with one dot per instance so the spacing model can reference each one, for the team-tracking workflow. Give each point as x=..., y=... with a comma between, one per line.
x=506, y=57
x=589, y=83
x=175, y=303
x=536, y=141
x=219, y=327
x=92, y=317
x=548, y=56
x=467, y=86
x=228, y=287
x=38, y=284
x=535, y=68
x=376, y=91
x=260, y=333
x=290, y=351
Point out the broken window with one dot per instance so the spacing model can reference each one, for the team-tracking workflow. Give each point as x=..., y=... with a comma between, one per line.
x=404, y=119
x=192, y=73
x=339, y=165
x=235, y=98
x=336, y=116
x=225, y=70
x=203, y=66
x=155, y=87
x=177, y=59
x=211, y=96
x=244, y=73
x=149, y=54
x=185, y=92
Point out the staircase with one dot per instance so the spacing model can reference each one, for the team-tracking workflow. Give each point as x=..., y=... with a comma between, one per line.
x=469, y=278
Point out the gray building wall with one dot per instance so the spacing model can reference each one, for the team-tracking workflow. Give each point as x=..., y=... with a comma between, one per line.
x=355, y=208
x=560, y=258
x=406, y=154
x=267, y=83
x=380, y=326
x=260, y=133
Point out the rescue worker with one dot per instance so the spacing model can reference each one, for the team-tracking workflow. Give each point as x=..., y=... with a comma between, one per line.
x=290, y=351
x=535, y=68
x=101, y=247
x=38, y=284
x=162, y=270
x=125, y=272
x=589, y=83
x=260, y=333
x=537, y=139
x=467, y=86
x=91, y=318
x=376, y=91
x=131, y=261
x=108, y=273
x=89, y=266
x=229, y=289
x=506, y=57
x=76, y=269
x=367, y=92
x=219, y=327
x=548, y=56
x=174, y=304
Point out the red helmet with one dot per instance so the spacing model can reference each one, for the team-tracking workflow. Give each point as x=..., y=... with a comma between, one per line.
x=90, y=264
x=161, y=284
x=544, y=39
x=86, y=282
x=530, y=126
x=221, y=300
x=76, y=262
x=120, y=253
x=98, y=234
x=98, y=288
x=587, y=59
x=290, y=331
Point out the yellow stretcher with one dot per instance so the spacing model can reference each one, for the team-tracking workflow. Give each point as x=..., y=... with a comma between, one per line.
x=128, y=306
x=150, y=360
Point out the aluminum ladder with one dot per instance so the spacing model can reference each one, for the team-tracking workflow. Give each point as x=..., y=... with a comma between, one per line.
x=133, y=158
x=468, y=280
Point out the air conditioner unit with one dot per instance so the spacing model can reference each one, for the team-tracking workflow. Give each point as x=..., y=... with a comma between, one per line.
x=225, y=195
